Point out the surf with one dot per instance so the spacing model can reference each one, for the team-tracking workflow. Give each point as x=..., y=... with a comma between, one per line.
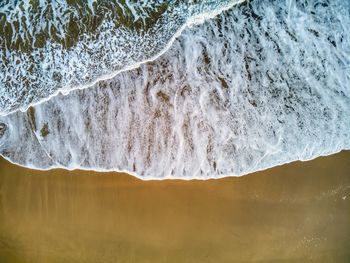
x=260, y=85
x=50, y=48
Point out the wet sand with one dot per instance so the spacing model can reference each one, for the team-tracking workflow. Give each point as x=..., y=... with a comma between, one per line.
x=299, y=212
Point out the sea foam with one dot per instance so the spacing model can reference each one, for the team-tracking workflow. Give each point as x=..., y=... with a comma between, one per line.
x=48, y=47
x=262, y=84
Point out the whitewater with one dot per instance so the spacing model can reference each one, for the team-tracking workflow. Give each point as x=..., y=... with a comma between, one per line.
x=261, y=84
x=52, y=47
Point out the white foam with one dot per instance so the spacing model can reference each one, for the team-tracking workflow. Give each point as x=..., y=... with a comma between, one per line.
x=54, y=70
x=258, y=86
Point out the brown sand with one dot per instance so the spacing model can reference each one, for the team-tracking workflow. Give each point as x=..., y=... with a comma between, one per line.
x=298, y=212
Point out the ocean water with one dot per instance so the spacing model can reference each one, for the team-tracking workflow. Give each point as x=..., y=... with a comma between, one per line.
x=261, y=84
x=49, y=47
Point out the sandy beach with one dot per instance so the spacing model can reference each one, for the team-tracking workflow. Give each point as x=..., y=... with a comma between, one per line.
x=297, y=212
x=188, y=90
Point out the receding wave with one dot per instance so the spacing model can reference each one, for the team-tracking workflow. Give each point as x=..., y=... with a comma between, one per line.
x=52, y=46
x=260, y=85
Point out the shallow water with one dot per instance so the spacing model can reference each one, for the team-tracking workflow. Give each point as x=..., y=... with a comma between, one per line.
x=240, y=93
x=52, y=46
x=297, y=212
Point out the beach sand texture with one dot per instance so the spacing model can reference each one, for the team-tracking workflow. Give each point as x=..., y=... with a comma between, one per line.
x=297, y=212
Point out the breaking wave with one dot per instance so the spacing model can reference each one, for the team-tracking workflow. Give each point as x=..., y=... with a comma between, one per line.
x=260, y=85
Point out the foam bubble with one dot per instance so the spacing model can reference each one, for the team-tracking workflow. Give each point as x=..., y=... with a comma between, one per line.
x=263, y=84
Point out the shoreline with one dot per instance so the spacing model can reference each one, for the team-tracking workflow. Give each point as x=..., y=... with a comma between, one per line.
x=165, y=178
